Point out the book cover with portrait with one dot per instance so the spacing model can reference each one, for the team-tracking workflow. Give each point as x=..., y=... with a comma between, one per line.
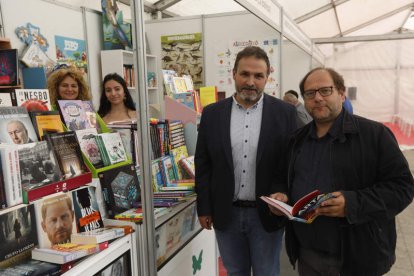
x=86, y=208
x=16, y=126
x=55, y=219
x=18, y=234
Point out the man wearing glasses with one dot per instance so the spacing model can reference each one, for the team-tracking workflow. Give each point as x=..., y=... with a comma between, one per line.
x=359, y=161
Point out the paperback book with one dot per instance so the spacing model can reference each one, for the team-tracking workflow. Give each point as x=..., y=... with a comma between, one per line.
x=111, y=147
x=11, y=176
x=38, y=165
x=73, y=114
x=46, y=122
x=33, y=99
x=9, y=71
x=87, y=215
x=16, y=126
x=87, y=141
x=303, y=210
x=68, y=153
x=67, y=252
x=18, y=233
x=7, y=98
x=120, y=188
x=97, y=235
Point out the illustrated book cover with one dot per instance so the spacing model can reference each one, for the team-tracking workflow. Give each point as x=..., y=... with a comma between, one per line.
x=55, y=219
x=18, y=233
x=68, y=153
x=87, y=141
x=73, y=114
x=46, y=122
x=16, y=126
x=91, y=115
x=38, y=165
x=111, y=147
x=86, y=208
x=120, y=187
x=33, y=99
x=9, y=71
x=303, y=209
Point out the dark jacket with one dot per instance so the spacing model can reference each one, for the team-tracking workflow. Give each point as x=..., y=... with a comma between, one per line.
x=214, y=171
x=368, y=166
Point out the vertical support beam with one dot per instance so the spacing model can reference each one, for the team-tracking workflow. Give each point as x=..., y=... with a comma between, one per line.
x=140, y=65
x=85, y=32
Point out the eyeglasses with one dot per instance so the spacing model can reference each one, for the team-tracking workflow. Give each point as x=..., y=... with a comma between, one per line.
x=323, y=91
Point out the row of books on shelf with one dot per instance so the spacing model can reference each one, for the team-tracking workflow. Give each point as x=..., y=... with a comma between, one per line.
x=129, y=76
x=52, y=227
x=165, y=136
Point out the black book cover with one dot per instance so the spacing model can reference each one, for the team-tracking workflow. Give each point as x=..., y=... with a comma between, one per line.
x=18, y=233
x=87, y=213
x=68, y=153
x=120, y=187
x=8, y=67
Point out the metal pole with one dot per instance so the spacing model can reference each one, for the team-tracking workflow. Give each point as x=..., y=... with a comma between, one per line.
x=140, y=65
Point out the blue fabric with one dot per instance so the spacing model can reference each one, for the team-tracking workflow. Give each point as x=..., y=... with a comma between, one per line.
x=245, y=246
x=348, y=106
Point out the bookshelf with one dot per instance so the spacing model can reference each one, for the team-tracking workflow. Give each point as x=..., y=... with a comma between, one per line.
x=121, y=62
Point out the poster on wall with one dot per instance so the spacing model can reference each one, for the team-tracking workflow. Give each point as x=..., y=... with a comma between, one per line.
x=225, y=62
x=183, y=53
x=117, y=34
x=72, y=52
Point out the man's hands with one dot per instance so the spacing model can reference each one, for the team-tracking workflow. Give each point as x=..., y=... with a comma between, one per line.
x=281, y=197
x=334, y=207
x=206, y=222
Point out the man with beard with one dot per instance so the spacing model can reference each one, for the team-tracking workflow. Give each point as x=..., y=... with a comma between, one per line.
x=239, y=157
x=360, y=163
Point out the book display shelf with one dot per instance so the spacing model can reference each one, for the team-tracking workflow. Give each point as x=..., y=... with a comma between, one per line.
x=121, y=62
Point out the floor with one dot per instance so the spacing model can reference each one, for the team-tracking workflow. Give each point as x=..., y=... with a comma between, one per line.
x=404, y=266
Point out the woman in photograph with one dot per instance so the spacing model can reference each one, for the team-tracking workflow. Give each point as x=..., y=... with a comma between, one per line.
x=116, y=102
x=67, y=84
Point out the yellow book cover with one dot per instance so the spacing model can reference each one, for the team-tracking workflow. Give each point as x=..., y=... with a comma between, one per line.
x=208, y=95
x=47, y=122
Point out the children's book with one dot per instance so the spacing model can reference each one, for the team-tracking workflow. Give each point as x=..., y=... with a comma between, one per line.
x=73, y=114
x=89, y=147
x=303, y=209
x=91, y=115
x=33, y=99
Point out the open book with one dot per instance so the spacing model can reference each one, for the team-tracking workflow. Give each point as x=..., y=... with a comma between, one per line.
x=304, y=209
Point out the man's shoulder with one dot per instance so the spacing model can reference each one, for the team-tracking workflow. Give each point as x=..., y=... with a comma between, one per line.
x=218, y=105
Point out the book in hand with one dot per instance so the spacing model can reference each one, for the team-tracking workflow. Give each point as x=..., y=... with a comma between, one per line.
x=304, y=209
x=97, y=235
x=66, y=252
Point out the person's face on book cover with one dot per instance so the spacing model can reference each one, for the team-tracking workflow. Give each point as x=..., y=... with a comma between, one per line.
x=57, y=221
x=17, y=132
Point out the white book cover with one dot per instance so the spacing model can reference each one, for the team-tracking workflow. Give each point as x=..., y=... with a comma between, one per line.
x=16, y=126
x=12, y=185
x=114, y=147
x=33, y=99
x=97, y=235
x=7, y=98
x=88, y=145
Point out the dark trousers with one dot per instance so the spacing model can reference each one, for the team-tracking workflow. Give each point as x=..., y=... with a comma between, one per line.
x=313, y=263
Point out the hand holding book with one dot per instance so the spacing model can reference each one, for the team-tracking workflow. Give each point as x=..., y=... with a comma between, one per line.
x=303, y=210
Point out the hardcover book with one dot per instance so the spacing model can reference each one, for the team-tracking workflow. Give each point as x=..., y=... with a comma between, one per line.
x=18, y=233
x=73, y=114
x=11, y=176
x=303, y=209
x=98, y=235
x=7, y=98
x=55, y=219
x=88, y=145
x=46, y=122
x=67, y=252
x=16, y=126
x=87, y=213
x=33, y=99
x=68, y=153
x=38, y=165
x=9, y=72
x=120, y=188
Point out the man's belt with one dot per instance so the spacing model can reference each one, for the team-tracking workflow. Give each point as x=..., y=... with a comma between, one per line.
x=245, y=203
